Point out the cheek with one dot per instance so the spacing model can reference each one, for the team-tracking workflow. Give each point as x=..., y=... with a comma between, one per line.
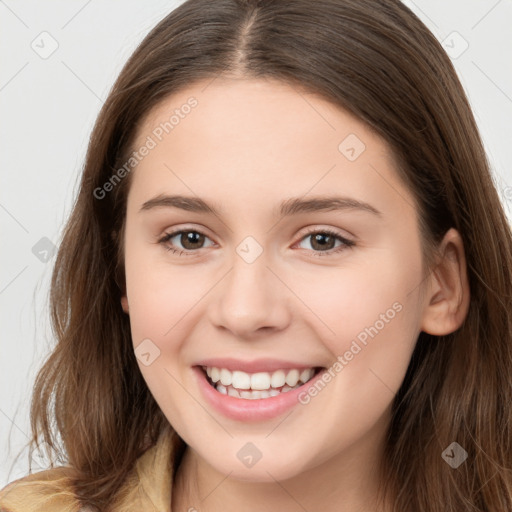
x=162, y=299
x=374, y=305
x=348, y=299
x=160, y=294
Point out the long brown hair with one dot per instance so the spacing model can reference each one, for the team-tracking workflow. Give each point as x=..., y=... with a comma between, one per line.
x=377, y=60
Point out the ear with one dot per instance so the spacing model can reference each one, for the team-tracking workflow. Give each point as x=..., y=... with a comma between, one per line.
x=447, y=301
x=124, y=304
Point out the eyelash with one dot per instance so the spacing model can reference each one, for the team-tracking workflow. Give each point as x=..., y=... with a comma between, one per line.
x=346, y=244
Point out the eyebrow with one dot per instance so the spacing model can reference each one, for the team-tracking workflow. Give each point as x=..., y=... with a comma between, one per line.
x=291, y=206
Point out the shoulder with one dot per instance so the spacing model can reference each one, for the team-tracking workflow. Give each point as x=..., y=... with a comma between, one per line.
x=50, y=490
x=147, y=486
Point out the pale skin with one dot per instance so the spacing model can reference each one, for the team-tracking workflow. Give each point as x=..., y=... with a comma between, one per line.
x=247, y=146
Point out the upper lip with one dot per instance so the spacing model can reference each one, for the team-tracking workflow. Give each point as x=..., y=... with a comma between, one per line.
x=254, y=366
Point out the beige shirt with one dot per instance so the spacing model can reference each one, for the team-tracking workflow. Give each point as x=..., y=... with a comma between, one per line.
x=147, y=488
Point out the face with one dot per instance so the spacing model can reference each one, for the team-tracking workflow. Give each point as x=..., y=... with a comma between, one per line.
x=265, y=294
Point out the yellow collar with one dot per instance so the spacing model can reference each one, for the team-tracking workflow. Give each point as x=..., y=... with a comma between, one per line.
x=148, y=486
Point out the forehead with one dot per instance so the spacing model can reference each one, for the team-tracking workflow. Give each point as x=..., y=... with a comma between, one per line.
x=246, y=137
x=260, y=107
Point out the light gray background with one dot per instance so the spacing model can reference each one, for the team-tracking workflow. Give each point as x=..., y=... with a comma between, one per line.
x=48, y=105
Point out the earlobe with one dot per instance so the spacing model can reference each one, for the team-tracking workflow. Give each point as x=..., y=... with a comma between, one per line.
x=124, y=304
x=447, y=303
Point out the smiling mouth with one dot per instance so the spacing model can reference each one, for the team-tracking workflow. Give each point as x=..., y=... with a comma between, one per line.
x=253, y=386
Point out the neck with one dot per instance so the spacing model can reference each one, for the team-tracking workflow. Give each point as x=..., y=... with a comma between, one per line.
x=346, y=482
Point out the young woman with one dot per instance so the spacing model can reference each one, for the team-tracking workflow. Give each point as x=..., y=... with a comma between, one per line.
x=285, y=283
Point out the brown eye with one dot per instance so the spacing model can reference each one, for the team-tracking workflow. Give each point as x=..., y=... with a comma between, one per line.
x=191, y=239
x=184, y=240
x=323, y=242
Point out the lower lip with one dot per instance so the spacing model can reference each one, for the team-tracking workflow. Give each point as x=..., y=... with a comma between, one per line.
x=243, y=409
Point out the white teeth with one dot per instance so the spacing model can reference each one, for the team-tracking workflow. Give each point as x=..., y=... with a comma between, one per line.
x=225, y=377
x=292, y=378
x=240, y=380
x=278, y=379
x=306, y=374
x=250, y=394
x=258, y=382
x=215, y=374
x=233, y=392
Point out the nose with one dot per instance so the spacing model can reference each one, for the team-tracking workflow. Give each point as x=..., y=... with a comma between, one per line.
x=251, y=300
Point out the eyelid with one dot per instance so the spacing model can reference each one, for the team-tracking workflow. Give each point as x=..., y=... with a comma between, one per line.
x=177, y=230
x=347, y=243
x=167, y=235
x=316, y=228
x=308, y=230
